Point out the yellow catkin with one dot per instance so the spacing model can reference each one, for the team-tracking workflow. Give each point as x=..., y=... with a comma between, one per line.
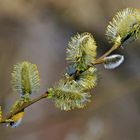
x=125, y=26
x=25, y=78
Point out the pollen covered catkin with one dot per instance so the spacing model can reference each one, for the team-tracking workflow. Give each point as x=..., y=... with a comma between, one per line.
x=124, y=27
x=81, y=50
x=72, y=92
x=25, y=78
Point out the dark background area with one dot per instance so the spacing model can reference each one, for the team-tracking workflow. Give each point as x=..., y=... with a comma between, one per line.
x=38, y=31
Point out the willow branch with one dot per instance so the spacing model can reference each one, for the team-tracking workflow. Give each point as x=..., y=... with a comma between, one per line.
x=45, y=95
x=23, y=107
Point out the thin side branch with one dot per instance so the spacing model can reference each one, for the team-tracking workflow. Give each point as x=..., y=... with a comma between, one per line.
x=100, y=60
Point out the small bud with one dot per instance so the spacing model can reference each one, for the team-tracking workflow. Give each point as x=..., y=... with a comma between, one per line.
x=113, y=61
x=16, y=120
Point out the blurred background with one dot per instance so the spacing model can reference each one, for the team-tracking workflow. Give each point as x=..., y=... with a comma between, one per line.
x=38, y=31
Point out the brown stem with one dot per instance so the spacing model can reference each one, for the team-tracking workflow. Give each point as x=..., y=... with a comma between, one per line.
x=24, y=106
x=101, y=59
